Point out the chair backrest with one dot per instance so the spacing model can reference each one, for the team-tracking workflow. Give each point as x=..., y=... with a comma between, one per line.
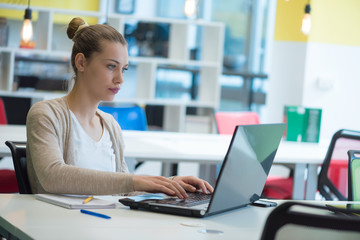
x=3, y=119
x=18, y=152
x=333, y=179
x=293, y=220
x=129, y=117
x=226, y=121
x=354, y=175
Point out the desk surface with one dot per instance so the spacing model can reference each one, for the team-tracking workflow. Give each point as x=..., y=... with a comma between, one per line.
x=27, y=218
x=176, y=147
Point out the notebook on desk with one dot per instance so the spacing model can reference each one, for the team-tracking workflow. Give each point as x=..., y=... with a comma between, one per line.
x=241, y=179
x=74, y=201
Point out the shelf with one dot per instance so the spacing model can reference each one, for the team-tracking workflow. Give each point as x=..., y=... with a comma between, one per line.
x=42, y=95
x=198, y=22
x=40, y=52
x=167, y=61
x=53, y=44
x=164, y=102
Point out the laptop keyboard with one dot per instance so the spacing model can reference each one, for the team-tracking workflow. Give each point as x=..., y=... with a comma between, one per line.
x=193, y=200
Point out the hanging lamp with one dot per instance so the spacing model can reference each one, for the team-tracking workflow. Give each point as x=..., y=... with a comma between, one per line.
x=27, y=30
x=306, y=21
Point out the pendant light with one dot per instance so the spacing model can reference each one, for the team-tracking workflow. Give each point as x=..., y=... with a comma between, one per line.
x=306, y=21
x=27, y=30
x=190, y=8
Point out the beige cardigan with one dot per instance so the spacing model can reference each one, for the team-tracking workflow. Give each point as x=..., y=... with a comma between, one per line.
x=50, y=149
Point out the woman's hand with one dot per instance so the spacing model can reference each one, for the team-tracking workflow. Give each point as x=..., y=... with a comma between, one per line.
x=192, y=184
x=176, y=186
x=157, y=184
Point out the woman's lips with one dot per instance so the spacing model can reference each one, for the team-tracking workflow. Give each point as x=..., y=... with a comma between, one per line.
x=114, y=90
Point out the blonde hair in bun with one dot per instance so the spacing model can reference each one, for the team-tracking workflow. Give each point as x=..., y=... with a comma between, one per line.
x=75, y=26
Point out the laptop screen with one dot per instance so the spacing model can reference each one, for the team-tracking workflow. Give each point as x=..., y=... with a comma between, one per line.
x=246, y=165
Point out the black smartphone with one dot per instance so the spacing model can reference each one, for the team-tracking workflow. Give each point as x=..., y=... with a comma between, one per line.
x=264, y=203
x=350, y=208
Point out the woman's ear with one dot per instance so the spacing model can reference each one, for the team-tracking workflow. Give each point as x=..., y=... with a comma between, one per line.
x=80, y=61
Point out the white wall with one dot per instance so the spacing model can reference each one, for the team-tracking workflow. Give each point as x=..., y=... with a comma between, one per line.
x=286, y=77
x=338, y=68
x=294, y=80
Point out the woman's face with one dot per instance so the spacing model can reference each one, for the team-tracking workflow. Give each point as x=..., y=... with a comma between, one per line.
x=104, y=71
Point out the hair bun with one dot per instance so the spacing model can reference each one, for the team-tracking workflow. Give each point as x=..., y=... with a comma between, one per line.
x=75, y=25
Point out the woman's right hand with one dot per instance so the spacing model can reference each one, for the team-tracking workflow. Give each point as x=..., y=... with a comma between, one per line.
x=155, y=184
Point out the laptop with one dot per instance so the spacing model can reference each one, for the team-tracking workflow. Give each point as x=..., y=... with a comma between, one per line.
x=240, y=181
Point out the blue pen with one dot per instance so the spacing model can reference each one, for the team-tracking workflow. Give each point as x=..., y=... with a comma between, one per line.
x=95, y=214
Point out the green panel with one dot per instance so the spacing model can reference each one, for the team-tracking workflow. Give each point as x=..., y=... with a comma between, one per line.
x=294, y=117
x=312, y=122
x=303, y=124
x=355, y=173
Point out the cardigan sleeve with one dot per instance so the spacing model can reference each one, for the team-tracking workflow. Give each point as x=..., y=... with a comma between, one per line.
x=49, y=172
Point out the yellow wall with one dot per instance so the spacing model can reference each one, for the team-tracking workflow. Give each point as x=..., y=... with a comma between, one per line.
x=83, y=5
x=336, y=22
x=333, y=21
x=288, y=20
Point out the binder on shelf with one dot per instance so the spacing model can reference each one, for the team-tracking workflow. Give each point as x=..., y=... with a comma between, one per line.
x=303, y=124
x=311, y=130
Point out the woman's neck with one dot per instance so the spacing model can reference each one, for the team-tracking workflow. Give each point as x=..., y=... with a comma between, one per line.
x=82, y=104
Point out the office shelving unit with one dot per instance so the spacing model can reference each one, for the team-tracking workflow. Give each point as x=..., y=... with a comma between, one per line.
x=209, y=63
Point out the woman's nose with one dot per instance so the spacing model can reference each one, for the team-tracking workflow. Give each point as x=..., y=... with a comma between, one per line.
x=119, y=78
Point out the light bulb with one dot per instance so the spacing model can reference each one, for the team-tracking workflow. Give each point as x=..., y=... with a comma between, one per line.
x=306, y=21
x=306, y=24
x=27, y=31
x=190, y=8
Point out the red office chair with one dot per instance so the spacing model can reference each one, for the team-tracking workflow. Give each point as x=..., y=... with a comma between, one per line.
x=3, y=119
x=226, y=121
x=275, y=187
x=8, y=183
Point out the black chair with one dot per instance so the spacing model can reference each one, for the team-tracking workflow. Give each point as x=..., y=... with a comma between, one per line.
x=292, y=220
x=18, y=152
x=336, y=158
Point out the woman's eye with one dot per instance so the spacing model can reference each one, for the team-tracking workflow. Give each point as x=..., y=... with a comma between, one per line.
x=124, y=69
x=111, y=67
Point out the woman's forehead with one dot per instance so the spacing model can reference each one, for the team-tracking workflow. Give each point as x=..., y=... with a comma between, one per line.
x=113, y=50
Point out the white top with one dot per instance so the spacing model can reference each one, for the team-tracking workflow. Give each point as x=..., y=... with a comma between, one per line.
x=97, y=155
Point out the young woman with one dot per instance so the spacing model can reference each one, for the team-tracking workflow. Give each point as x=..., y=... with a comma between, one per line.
x=72, y=146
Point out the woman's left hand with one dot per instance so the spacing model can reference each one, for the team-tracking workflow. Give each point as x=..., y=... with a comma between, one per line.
x=191, y=184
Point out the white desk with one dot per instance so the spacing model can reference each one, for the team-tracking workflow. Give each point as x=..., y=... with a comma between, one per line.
x=27, y=218
x=24, y=217
x=174, y=147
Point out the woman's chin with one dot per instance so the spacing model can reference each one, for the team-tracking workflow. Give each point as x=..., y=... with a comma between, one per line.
x=109, y=98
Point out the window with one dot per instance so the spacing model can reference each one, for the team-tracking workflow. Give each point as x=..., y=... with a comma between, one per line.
x=247, y=23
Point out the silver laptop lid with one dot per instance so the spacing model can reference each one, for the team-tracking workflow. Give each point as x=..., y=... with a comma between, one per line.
x=246, y=165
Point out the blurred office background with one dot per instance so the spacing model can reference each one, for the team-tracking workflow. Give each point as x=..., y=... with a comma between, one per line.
x=267, y=63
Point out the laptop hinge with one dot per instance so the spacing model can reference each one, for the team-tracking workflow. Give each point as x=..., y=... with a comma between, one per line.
x=254, y=197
